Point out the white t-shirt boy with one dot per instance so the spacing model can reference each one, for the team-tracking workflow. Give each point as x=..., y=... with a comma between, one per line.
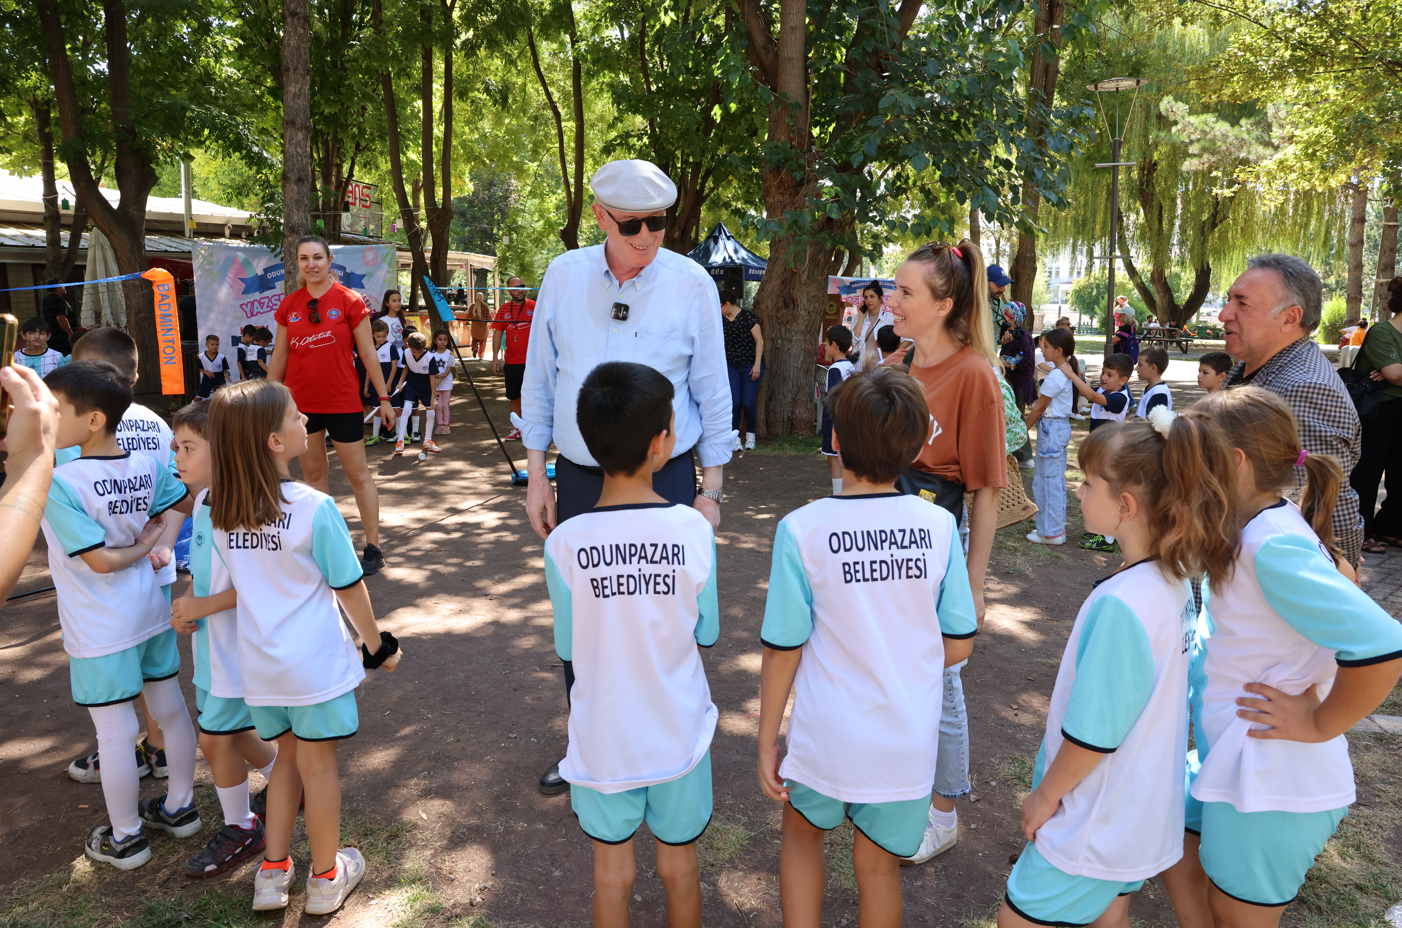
x=294, y=649
x=105, y=502
x=634, y=592
x=868, y=586
x=215, y=645
x=1122, y=691
x=1157, y=395
x=1286, y=618
x=1057, y=386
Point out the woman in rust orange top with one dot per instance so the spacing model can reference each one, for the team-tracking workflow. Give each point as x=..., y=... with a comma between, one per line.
x=941, y=302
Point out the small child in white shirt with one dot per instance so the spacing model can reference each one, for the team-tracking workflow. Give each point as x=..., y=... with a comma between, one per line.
x=1051, y=415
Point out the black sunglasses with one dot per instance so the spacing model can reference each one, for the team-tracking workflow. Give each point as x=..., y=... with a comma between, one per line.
x=631, y=227
x=311, y=311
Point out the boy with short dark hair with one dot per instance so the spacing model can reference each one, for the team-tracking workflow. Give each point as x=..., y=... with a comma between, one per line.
x=37, y=355
x=868, y=603
x=422, y=371
x=890, y=344
x=250, y=354
x=387, y=355
x=1109, y=403
x=1213, y=368
x=214, y=368
x=633, y=587
x=837, y=341
x=116, y=628
x=1153, y=363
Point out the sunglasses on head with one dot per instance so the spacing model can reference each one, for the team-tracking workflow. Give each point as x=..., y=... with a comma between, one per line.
x=311, y=311
x=631, y=227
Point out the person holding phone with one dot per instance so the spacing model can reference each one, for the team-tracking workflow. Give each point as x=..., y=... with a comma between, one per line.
x=29, y=468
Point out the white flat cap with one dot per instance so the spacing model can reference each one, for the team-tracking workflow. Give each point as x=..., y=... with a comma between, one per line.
x=634, y=186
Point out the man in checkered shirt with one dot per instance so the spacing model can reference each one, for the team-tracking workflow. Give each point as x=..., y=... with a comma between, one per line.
x=1271, y=312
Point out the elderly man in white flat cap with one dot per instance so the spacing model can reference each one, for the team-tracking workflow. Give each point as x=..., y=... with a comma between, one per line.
x=625, y=300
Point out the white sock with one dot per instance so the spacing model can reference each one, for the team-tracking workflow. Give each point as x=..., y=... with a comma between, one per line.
x=116, y=741
x=267, y=772
x=234, y=802
x=429, y=416
x=404, y=420
x=165, y=702
x=945, y=819
x=836, y=485
x=375, y=427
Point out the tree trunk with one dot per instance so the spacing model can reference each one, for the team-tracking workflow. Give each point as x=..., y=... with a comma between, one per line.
x=1353, y=294
x=1387, y=257
x=412, y=229
x=438, y=208
x=53, y=217
x=296, y=135
x=1041, y=90
x=974, y=227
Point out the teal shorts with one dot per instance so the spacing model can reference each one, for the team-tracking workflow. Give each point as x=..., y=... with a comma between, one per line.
x=677, y=812
x=1192, y=807
x=895, y=827
x=165, y=589
x=119, y=677
x=1261, y=858
x=1045, y=895
x=220, y=715
x=333, y=720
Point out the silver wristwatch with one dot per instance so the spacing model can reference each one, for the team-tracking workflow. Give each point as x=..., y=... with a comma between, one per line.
x=716, y=495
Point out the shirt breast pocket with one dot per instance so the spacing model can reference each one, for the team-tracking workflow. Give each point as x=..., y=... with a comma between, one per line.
x=662, y=347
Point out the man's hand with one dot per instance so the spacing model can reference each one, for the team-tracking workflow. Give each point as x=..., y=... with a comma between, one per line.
x=1037, y=808
x=183, y=616
x=33, y=422
x=708, y=508
x=540, y=500
x=769, y=780
x=1291, y=717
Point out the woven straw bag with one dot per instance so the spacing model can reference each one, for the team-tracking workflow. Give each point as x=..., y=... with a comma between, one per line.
x=1013, y=503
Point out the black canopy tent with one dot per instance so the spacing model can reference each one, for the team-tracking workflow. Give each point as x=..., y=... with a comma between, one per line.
x=725, y=259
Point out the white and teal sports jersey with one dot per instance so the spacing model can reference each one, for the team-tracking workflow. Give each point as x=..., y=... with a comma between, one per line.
x=42, y=364
x=634, y=593
x=1286, y=618
x=215, y=646
x=1122, y=691
x=869, y=587
x=105, y=502
x=294, y=649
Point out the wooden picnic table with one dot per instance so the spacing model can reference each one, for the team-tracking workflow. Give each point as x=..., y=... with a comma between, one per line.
x=1168, y=335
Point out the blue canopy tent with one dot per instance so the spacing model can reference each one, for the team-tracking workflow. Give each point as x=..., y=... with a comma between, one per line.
x=725, y=259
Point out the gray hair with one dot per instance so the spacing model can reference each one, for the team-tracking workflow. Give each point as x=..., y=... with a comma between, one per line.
x=1301, y=285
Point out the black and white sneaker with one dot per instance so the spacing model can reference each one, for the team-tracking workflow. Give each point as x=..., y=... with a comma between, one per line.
x=181, y=824
x=229, y=847
x=155, y=758
x=87, y=769
x=127, y=854
x=371, y=561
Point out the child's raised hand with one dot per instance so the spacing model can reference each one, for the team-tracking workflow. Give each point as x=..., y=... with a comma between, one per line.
x=182, y=615
x=151, y=530
x=1066, y=368
x=769, y=780
x=1037, y=808
x=1291, y=718
x=159, y=557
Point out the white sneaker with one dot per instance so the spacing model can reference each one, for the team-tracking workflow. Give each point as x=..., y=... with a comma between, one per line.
x=1038, y=539
x=749, y=441
x=270, y=889
x=937, y=840
x=1028, y=464
x=739, y=445
x=326, y=896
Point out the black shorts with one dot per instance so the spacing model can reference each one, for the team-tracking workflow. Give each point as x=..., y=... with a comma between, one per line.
x=515, y=373
x=344, y=427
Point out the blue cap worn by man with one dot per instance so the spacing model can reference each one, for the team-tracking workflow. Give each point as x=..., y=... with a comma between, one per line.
x=628, y=299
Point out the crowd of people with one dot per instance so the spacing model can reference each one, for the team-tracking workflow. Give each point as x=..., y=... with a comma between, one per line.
x=1235, y=613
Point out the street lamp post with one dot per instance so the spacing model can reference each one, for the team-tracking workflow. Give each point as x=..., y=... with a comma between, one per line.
x=1116, y=86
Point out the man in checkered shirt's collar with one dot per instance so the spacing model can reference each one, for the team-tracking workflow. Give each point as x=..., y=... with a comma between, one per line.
x=1271, y=312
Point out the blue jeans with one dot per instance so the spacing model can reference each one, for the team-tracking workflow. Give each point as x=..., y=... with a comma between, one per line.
x=1049, y=476
x=952, y=763
x=743, y=391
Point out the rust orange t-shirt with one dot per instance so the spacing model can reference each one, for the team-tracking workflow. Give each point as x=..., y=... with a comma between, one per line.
x=963, y=395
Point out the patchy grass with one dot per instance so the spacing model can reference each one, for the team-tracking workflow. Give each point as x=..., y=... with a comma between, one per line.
x=839, y=856
x=988, y=919
x=1393, y=704
x=721, y=843
x=789, y=444
x=1017, y=769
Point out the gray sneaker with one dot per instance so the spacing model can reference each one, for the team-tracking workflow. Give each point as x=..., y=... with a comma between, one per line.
x=127, y=854
x=326, y=896
x=271, y=887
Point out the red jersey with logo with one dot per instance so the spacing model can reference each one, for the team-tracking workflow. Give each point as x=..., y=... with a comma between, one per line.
x=515, y=320
x=321, y=366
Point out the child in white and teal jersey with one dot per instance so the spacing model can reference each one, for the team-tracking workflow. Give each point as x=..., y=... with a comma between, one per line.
x=633, y=587
x=1293, y=655
x=207, y=610
x=869, y=602
x=100, y=523
x=1106, y=809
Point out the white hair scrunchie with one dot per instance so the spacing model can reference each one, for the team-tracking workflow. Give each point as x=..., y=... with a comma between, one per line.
x=1161, y=419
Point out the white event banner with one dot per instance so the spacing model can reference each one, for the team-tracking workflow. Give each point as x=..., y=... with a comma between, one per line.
x=238, y=285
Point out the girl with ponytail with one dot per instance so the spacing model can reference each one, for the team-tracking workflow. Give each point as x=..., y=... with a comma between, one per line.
x=940, y=302
x=1106, y=808
x=1290, y=655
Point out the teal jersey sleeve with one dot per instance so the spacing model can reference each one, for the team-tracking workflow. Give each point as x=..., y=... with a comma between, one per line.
x=64, y=455
x=1114, y=677
x=562, y=603
x=788, y=609
x=76, y=531
x=332, y=548
x=1305, y=589
x=169, y=490
x=708, y=607
x=955, y=605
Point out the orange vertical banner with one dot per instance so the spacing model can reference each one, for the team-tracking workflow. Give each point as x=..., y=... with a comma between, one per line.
x=167, y=332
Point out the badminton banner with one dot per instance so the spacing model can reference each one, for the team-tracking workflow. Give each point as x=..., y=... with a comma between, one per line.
x=167, y=332
x=239, y=285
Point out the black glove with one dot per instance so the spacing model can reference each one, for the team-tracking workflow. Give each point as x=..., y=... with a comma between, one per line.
x=388, y=645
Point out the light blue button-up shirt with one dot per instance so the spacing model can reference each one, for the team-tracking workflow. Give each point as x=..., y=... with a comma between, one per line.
x=673, y=326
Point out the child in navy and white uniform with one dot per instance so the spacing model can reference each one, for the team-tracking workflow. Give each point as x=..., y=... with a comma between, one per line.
x=388, y=357
x=422, y=371
x=633, y=587
x=1106, y=808
x=214, y=368
x=115, y=621
x=1287, y=628
x=1153, y=361
x=290, y=558
x=869, y=601
x=837, y=342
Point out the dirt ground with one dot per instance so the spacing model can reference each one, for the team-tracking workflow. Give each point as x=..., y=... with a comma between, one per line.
x=439, y=784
